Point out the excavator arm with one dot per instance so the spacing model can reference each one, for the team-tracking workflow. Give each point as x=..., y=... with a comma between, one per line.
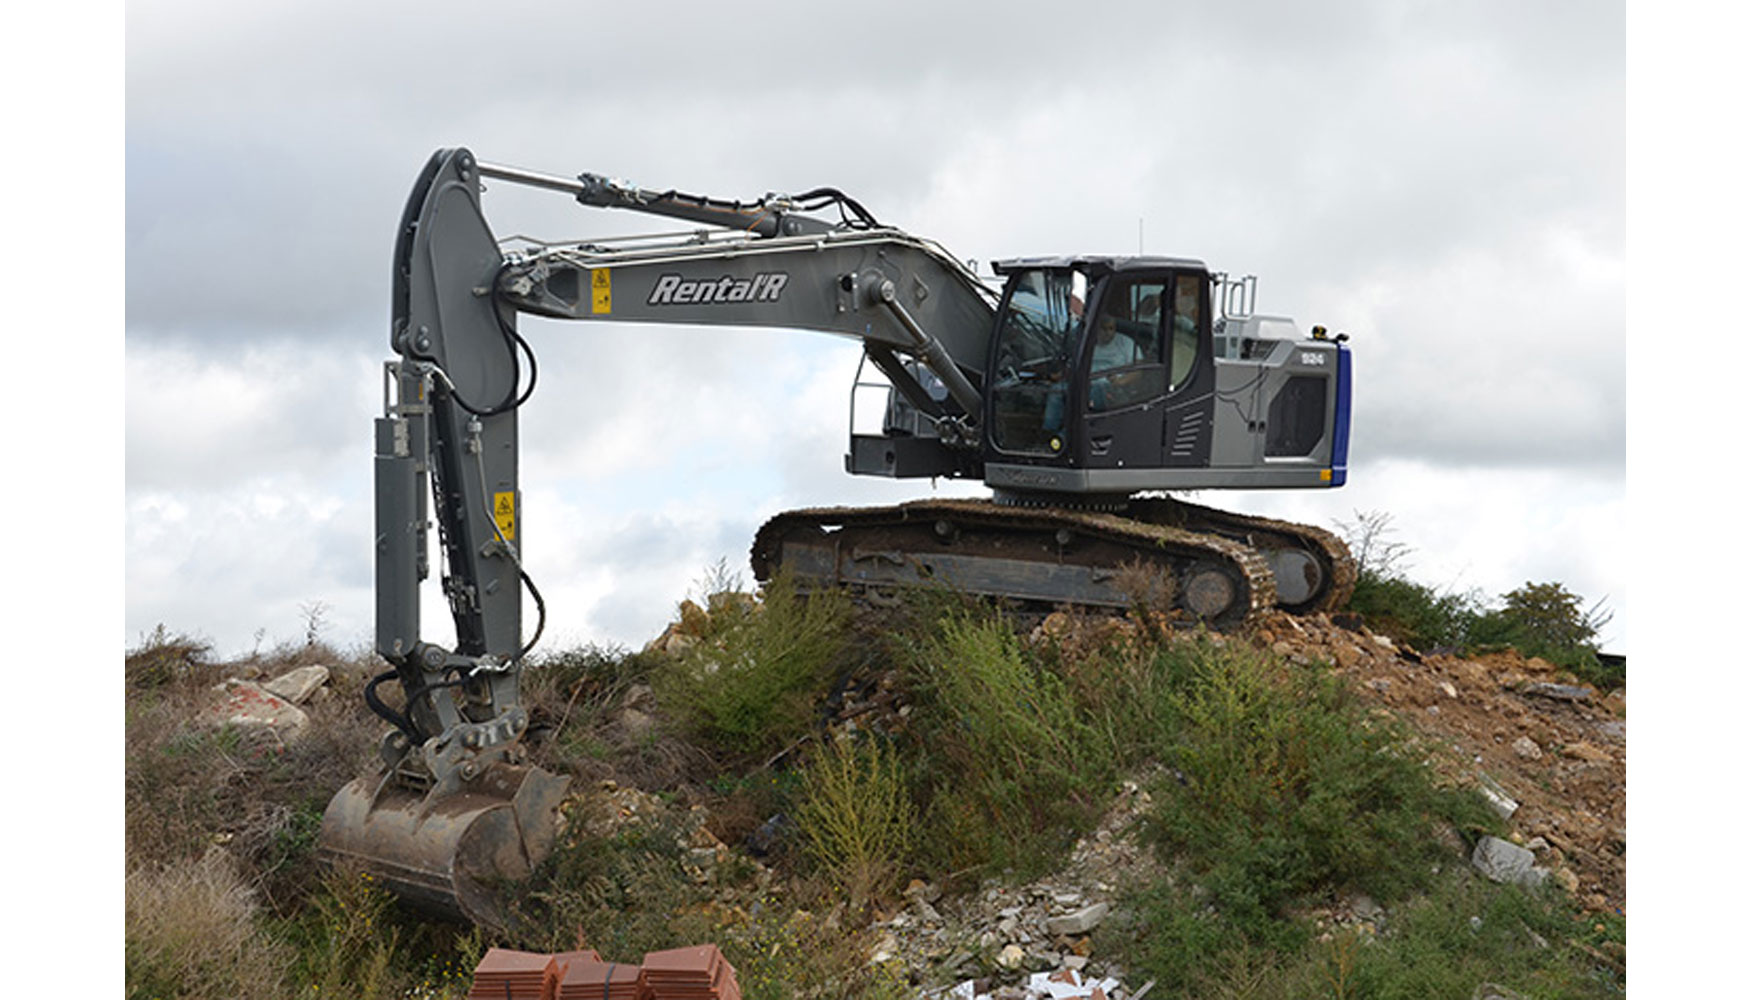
x=455, y=806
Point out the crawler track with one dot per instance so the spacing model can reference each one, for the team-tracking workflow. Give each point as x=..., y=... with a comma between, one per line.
x=1222, y=567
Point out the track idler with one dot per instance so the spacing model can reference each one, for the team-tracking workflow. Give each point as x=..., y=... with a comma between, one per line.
x=448, y=852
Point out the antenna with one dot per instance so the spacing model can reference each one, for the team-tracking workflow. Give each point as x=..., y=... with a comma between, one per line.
x=1139, y=236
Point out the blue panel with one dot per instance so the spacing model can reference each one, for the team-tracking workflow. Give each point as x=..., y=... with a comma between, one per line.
x=1340, y=447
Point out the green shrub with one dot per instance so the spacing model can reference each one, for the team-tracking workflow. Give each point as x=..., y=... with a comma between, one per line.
x=625, y=893
x=353, y=947
x=1012, y=767
x=856, y=817
x=751, y=682
x=1546, y=620
x=1415, y=613
x=1284, y=786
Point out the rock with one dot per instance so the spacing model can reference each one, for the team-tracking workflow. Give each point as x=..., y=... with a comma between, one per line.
x=918, y=889
x=1559, y=692
x=1489, y=991
x=771, y=836
x=296, y=686
x=1569, y=882
x=1384, y=642
x=1587, y=752
x=639, y=696
x=1080, y=922
x=886, y=948
x=249, y=706
x=1448, y=690
x=1363, y=906
x=1506, y=862
x=1496, y=796
x=1281, y=648
x=1011, y=957
x=636, y=723
x=1527, y=748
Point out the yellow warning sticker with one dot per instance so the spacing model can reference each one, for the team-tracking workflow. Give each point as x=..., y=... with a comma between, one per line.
x=1324, y=475
x=601, y=291
x=504, y=512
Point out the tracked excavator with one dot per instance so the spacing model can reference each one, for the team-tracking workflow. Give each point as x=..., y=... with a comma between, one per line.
x=1079, y=392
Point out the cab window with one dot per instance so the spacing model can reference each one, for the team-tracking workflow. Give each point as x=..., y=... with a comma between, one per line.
x=1184, y=343
x=1124, y=353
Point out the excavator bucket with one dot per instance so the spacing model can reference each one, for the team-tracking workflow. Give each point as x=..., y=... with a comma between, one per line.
x=449, y=854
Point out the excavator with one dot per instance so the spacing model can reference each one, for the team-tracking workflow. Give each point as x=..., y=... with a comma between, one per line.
x=1080, y=391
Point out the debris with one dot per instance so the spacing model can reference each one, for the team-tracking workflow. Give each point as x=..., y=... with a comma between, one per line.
x=248, y=706
x=1506, y=862
x=1496, y=796
x=296, y=686
x=1527, y=748
x=1080, y=922
x=1559, y=692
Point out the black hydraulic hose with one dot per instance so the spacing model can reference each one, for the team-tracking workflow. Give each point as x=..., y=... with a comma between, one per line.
x=540, y=608
x=514, y=342
x=394, y=718
x=844, y=200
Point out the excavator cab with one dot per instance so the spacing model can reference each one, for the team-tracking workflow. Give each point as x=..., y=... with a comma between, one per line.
x=1104, y=374
x=1099, y=363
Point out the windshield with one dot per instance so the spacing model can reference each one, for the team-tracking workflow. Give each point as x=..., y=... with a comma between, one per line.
x=1041, y=318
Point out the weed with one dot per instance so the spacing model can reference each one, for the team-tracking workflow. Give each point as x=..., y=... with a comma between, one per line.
x=1013, y=769
x=750, y=683
x=627, y=892
x=192, y=932
x=856, y=816
x=162, y=659
x=783, y=948
x=352, y=951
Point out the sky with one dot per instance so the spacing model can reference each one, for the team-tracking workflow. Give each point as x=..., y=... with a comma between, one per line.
x=1443, y=182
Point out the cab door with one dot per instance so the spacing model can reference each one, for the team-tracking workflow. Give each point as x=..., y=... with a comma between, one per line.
x=1124, y=369
x=1188, y=418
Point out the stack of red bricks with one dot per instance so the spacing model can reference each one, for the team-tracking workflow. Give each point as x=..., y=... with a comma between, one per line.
x=513, y=975
x=696, y=973
x=699, y=973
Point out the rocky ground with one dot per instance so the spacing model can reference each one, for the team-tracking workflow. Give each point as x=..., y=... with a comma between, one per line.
x=1547, y=753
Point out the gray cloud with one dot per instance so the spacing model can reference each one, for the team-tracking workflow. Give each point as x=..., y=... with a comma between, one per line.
x=1446, y=183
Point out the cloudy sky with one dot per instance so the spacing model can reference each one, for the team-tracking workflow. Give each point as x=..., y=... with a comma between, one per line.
x=1445, y=182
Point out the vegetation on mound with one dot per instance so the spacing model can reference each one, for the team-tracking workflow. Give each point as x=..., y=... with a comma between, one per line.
x=1278, y=793
x=1538, y=619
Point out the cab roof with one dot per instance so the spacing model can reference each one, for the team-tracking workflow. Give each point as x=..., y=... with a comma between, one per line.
x=1099, y=265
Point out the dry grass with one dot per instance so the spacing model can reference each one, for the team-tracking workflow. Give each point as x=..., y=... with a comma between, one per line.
x=192, y=933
